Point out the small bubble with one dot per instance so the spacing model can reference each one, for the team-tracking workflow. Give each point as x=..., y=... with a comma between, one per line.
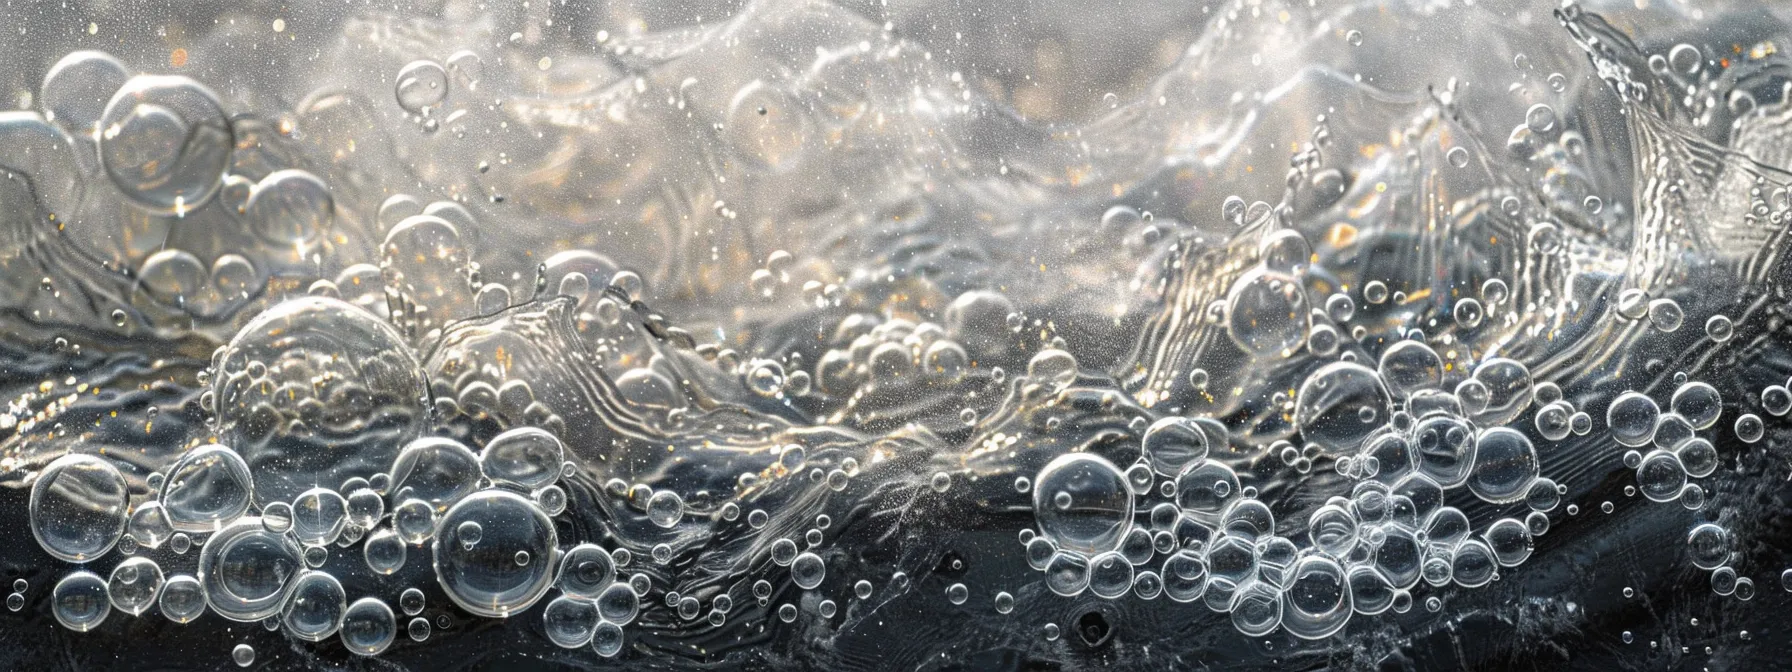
x=1457, y=156
x=243, y=654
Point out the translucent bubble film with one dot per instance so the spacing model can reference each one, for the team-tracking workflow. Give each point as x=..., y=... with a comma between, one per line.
x=1380, y=335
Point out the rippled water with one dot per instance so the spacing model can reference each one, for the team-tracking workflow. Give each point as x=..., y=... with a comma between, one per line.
x=785, y=334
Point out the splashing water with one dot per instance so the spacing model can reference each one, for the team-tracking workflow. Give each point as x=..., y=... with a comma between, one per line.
x=842, y=336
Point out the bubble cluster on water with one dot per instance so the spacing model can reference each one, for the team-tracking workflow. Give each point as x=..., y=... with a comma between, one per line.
x=1384, y=379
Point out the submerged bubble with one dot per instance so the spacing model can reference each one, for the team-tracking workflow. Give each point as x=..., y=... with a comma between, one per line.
x=478, y=570
x=315, y=390
x=165, y=142
x=1340, y=405
x=79, y=601
x=77, y=508
x=1267, y=313
x=182, y=599
x=316, y=606
x=437, y=470
x=209, y=487
x=245, y=570
x=1632, y=417
x=1505, y=464
x=570, y=622
x=1708, y=545
x=618, y=603
x=319, y=516
x=368, y=627
x=420, y=85
x=526, y=457
x=135, y=585
x=665, y=508
x=76, y=89
x=1082, y=503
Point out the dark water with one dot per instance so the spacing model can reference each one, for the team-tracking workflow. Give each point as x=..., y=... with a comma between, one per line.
x=1241, y=335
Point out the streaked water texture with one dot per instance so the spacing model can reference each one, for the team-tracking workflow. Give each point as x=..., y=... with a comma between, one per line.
x=847, y=335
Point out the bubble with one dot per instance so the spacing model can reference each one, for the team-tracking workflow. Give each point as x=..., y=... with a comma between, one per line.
x=1509, y=390
x=76, y=89
x=1444, y=447
x=765, y=378
x=1267, y=313
x=437, y=470
x=182, y=599
x=1370, y=592
x=307, y=355
x=618, y=603
x=1749, y=428
x=606, y=638
x=1685, y=59
x=1204, y=489
x=244, y=569
x=77, y=507
x=1708, y=546
x=1631, y=419
x=1541, y=118
x=135, y=585
x=807, y=570
x=315, y=608
x=1457, y=157
x=1257, y=609
x=384, y=551
x=768, y=127
x=1719, y=328
x=1172, y=443
x=209, y=487
x=586, y=570
x=290, y=208
x=164, y=141
x=1665, y=315
x=79, y=601
x=665, y=509
x=1661, y=475
x=368, y=627
x=1067, y=573
x=1340, y=405
x=1723, y=581
x=421, y=84
x=1317, y=601
x=243, y=655
x=1053, y=367
x=483, y=577
x=1505, y=464
x=526, y=457
x=1354, y=37
x=1110, y=575
x=957, y=593
x=1699, y=403
x=1323, y=340
x=1509, y=540
x=1555, y=421
x=569, y=621
x=1776, y=400
x=414, y=520
x=1082, y=503
x=319, y=516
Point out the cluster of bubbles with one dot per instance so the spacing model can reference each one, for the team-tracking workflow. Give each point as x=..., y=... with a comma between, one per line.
x=1295, y=434
x=483, y=521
